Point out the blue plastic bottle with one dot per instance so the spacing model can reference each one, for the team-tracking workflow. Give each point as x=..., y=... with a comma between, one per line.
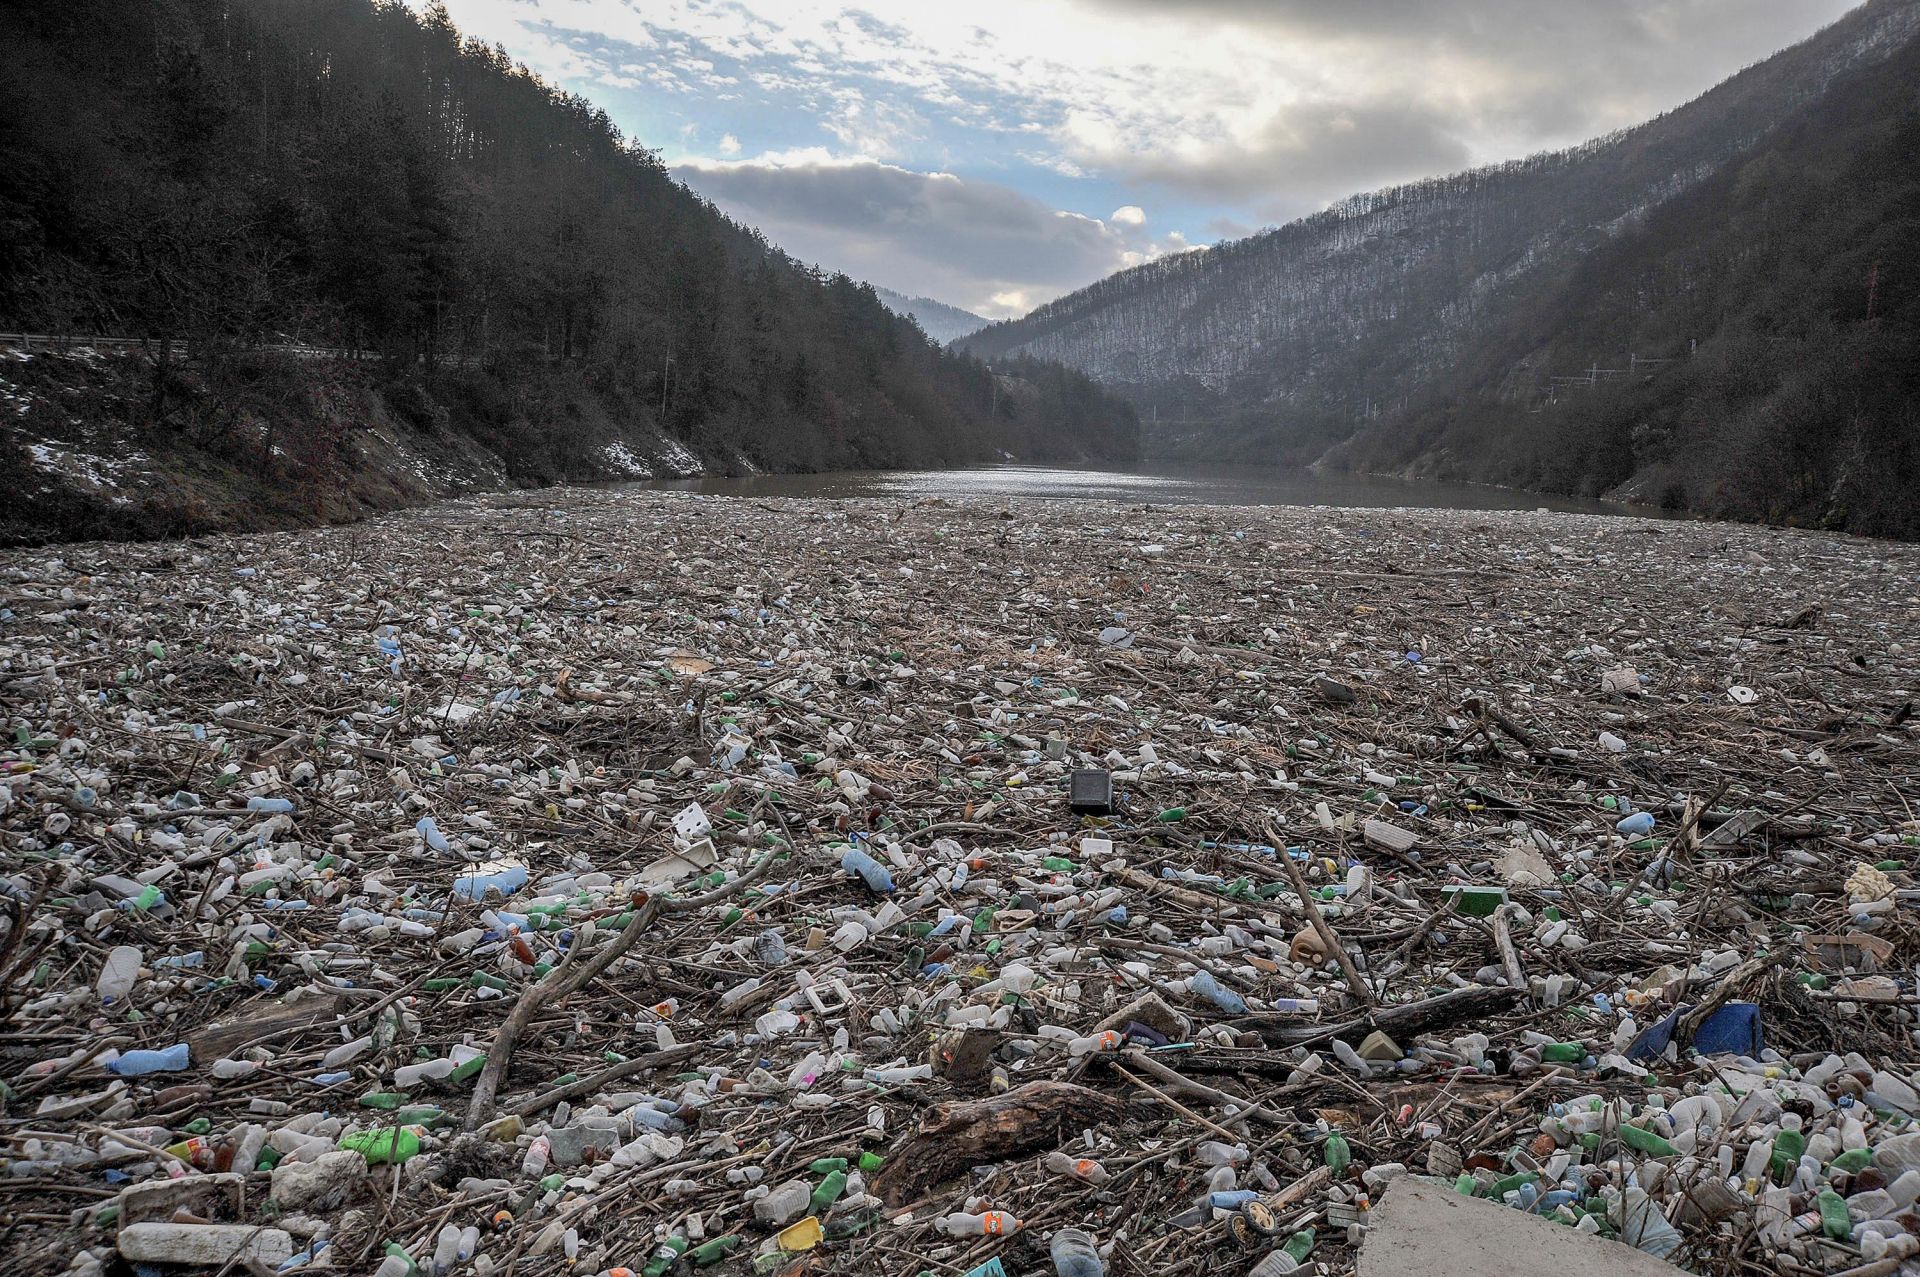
x=139, y=1063
x=871, y=871
x=1213, y=991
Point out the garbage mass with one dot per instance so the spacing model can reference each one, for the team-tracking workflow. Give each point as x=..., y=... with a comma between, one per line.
x=630, y=883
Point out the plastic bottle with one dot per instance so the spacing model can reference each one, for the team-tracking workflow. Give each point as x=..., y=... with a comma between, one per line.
x=385, y=1145
x=1337, y=1154
x=665, y=1256
x=534, y=1164
x=1216, y=1153
x=118, y=974
x=992, y=1223
x=1095, y=1043
x=828, y=1193
x=869, y=870
x=1213, y=991
x=1074, y=1254
x=446, y=1251
x=714, y=1251
x=476, y=886
x=139, y=1063
x=1084, y=1168
x=783, y=1203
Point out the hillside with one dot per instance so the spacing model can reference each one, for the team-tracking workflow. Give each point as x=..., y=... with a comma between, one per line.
x=1780, y=301
x=517, y=293
x=937, y=320
x=1281, y=346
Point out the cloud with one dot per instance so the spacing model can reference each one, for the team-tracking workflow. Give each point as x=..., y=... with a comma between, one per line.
x=1327, y=97
x=1280, y=105
x=1222, y=114
x=976, y=244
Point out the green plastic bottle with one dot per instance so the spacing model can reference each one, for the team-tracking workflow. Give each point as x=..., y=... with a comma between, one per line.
x=1337, y=1154
x=1851, y=1161
x=829, y=1191
x=383, y=1146
x=713, y=1252
x=1787, y=1148
x=665, y=1256
x=1835, y=1220
x=1638, y=1137
x=1299, y=1245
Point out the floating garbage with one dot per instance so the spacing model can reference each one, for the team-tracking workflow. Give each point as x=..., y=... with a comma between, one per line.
x=635, y=883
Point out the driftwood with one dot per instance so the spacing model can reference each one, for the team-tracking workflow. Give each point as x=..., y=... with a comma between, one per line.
x=1404, y=1017
x=217, y=1041
x=953, y=1137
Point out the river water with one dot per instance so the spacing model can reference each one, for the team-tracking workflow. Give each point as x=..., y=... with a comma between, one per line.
x=1149, y=484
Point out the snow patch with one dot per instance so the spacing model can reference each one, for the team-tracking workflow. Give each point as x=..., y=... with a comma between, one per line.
x=677, y=461
x=621, y=460
x=110, y=474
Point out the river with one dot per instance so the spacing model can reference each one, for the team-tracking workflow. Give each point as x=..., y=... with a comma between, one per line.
x=1150, y=484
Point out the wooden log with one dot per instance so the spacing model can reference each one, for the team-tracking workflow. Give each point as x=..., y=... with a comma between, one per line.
x=957, y=1135
x=217, y=1041
x=1405, y=1017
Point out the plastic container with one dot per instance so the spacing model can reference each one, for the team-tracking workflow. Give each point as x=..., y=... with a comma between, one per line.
x=1075, y=1254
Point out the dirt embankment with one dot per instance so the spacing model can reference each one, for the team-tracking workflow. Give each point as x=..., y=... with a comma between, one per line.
x=112, y=446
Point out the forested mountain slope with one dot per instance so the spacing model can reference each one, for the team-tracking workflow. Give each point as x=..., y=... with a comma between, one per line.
x=937, y=320
x=533, y=297
x=1780, y=303
x=1280, y=346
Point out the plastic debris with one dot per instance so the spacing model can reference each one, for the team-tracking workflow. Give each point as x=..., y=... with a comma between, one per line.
x=546, y=881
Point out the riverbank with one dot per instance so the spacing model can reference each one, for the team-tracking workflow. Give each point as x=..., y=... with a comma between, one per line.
x=397, y=771
x=114, y=445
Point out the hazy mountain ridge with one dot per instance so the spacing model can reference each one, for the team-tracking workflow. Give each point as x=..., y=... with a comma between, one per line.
x=937, y=320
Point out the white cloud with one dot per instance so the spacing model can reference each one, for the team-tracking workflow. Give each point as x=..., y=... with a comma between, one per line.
x=979, y=245
x=1235, y=113
x=1279, y=104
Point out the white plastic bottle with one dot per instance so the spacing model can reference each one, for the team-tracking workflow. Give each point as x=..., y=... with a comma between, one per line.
x=119, y=973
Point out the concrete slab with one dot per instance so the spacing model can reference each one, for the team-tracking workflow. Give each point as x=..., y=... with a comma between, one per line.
x=1422, y=1228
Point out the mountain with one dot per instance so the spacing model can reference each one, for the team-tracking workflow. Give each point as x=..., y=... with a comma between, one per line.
x=937, y=320
x=1380, y=320
x=1750, y=349
x=371, y=262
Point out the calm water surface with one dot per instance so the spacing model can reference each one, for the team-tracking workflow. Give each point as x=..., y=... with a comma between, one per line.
x=1151, y=484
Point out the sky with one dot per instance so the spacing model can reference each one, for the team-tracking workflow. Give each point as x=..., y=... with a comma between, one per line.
x=996, y=154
